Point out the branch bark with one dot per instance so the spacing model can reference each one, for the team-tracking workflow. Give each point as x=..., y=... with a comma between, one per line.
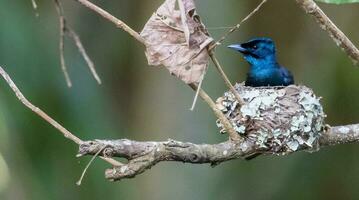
x=143, y=155
x=340, y=135
x=340, y=39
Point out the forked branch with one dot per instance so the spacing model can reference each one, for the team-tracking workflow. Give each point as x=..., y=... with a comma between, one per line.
x=143, y=155
x=64, y=30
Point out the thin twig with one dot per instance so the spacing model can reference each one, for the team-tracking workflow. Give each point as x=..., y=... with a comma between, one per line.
x=197, y=92
x=88, y=165
x=236, y=27
x=62, y=28
x=219, y=27
x=65, y=29
x=120, y=24
x=34, y=6
x=225, y=78
x=112, y=161
x=37, y=110
x=224, y=120
x=340, y=39
x=46, y=117
x=72, y=34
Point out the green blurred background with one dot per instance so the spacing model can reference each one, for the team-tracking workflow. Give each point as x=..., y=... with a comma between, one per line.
x=140, y=102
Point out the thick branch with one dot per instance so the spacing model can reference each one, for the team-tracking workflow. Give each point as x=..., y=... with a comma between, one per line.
x=334, y=32
x=340, y=135
x=143, y=155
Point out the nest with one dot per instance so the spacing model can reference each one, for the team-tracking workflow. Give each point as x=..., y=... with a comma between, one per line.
x=277, y=120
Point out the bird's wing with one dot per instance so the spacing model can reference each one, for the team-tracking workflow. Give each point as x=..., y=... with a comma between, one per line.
x=288, y=77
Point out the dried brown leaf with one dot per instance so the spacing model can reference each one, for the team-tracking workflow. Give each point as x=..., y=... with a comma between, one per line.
x=177, y=39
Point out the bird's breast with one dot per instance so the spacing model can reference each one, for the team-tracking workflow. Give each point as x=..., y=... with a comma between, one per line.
x=265, y=77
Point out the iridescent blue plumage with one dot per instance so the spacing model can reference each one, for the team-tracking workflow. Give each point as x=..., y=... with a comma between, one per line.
x=260, y=53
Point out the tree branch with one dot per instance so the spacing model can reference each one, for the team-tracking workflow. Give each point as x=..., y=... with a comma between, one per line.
x=34, y=6
x=236, y=27
x=225, y=78
x=67, y=134
x=340, y=135
x=334, y=32
x=62, y=28
x=120, y=24
x=73, y=35
x=65, y=29
x=143, y=155
x=224, y=120
x=37, y=110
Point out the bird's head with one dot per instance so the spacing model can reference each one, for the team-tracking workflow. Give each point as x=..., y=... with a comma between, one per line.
x=257, y=51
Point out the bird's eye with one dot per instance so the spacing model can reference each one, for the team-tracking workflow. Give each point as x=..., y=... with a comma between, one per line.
x=255, y=47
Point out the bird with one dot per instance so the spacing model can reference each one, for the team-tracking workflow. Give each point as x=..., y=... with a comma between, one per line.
x=260, y=53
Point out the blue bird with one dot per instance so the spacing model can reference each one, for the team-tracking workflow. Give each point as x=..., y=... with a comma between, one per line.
x=260, y=53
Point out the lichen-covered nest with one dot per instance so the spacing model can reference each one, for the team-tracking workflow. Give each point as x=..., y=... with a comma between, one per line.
x=278, y=120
